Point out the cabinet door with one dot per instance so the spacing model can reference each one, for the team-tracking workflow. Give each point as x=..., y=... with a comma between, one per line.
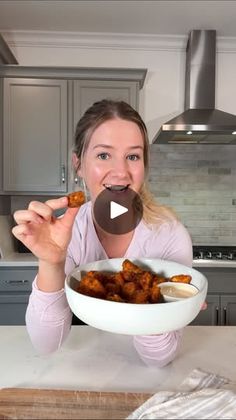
x=228, y=310
x=86, y=92
x=13, y=308
x=35, y=135
x=209, y=316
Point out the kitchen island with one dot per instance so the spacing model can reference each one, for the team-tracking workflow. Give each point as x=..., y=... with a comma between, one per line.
x=96, y=374
x=95, y=360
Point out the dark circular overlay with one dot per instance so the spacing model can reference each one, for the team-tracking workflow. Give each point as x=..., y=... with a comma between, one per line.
x=118, y=212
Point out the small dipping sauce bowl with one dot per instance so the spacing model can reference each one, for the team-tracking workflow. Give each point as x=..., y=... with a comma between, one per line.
x=173, y=291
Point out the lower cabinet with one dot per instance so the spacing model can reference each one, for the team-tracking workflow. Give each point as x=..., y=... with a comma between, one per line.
x=15, y=288
x=221, y=297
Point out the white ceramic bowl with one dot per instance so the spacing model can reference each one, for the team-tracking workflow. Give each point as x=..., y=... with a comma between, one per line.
x=130, y=318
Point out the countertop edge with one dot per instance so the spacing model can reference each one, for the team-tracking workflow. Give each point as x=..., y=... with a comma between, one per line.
x=16, y=259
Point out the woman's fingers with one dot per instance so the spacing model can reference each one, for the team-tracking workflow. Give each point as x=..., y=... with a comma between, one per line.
x=22, y=230
x=26, y=216
x=204, y=306
x=38, y=212
x=69, y=216
x=57, y=203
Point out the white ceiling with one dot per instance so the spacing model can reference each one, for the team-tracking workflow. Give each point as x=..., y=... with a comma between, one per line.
x=142, y=16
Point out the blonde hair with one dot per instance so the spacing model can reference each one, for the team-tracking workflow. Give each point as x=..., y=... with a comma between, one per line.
x=105, y=110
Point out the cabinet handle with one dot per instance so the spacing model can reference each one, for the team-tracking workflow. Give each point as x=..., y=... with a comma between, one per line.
x=225, y=316
x=63, y=174
x=217, y=316
x=76, y=180
x=16, y=281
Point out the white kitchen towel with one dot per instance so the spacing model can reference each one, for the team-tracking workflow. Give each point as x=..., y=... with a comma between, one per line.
x=202, y=395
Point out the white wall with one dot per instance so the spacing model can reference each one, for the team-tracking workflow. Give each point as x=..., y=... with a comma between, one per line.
x=163, y=94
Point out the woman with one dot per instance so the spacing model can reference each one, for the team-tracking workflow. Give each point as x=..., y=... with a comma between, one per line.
x=111, y=151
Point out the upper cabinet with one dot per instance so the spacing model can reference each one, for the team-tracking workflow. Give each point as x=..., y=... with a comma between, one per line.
x=35, y=135
x=40, y=110
x=86, y=92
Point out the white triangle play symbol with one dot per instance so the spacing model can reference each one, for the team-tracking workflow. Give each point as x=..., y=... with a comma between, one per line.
x=116, y=209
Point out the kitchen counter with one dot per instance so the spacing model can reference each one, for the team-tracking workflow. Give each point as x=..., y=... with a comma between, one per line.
x=198, y=263
x=94, y=360
x=15, y=259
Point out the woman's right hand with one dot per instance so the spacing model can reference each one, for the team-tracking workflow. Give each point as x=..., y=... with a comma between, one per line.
x=46, y=236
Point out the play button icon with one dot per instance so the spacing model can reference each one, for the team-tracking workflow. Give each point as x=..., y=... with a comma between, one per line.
x=118, y=212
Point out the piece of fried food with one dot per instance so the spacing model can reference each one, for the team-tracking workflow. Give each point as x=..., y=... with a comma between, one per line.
x=140, y=296
x=114, y=297
x=112, y=287
x=145, y=280
x=101, y=276
x=92, y=287
x=128, y=290
x=76, y=199
x=127, y=265
x=155, y=293
x=181, y=278
x=156, y=279
x=117, y=278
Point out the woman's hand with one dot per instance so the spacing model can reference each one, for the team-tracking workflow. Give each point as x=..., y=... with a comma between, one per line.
x=204, y=306
x=46, y=236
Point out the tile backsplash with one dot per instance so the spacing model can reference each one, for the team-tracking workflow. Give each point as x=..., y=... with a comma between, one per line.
x=199, y=183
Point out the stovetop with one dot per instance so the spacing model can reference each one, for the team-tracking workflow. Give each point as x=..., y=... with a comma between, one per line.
x=220, y=253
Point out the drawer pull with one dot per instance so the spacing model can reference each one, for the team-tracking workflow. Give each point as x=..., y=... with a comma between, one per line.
x=225, y=316
x=16, y=281
x=63, y=174
x=217, y=316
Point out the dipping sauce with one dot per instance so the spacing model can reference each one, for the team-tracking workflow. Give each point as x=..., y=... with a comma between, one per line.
x=177, y=291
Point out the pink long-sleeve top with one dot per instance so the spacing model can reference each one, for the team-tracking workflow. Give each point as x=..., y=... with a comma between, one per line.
x=48, y=316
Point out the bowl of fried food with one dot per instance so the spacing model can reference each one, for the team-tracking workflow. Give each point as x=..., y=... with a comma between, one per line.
x=125, y=296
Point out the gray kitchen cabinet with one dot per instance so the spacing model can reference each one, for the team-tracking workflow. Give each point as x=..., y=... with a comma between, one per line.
x=221, y=297
x=41, y=107
x=209, y=316
x=15, y=288
x=86, y=92
x=228, y=309
x=35, y=135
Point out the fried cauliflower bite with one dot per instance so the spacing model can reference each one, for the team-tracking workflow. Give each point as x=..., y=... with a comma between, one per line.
x=128, y=289
x=76, y=199
x=112, y=287
x=92, y=287
x=155, y=294
x=114, y=297
x=127, y=265
x=181, y=278
x=102, y=277
x=140, y=296
x=156, y=279
x=128, y=276
x=117, y=278
x=145, y=280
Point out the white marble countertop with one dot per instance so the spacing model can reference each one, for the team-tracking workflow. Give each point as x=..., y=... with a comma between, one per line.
x=94, y=360
x=15, y=259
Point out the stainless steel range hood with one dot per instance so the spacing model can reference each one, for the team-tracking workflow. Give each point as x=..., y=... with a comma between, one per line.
x=200, y=122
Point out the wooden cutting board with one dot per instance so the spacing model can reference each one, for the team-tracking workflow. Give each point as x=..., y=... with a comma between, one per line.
x=23, y=403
